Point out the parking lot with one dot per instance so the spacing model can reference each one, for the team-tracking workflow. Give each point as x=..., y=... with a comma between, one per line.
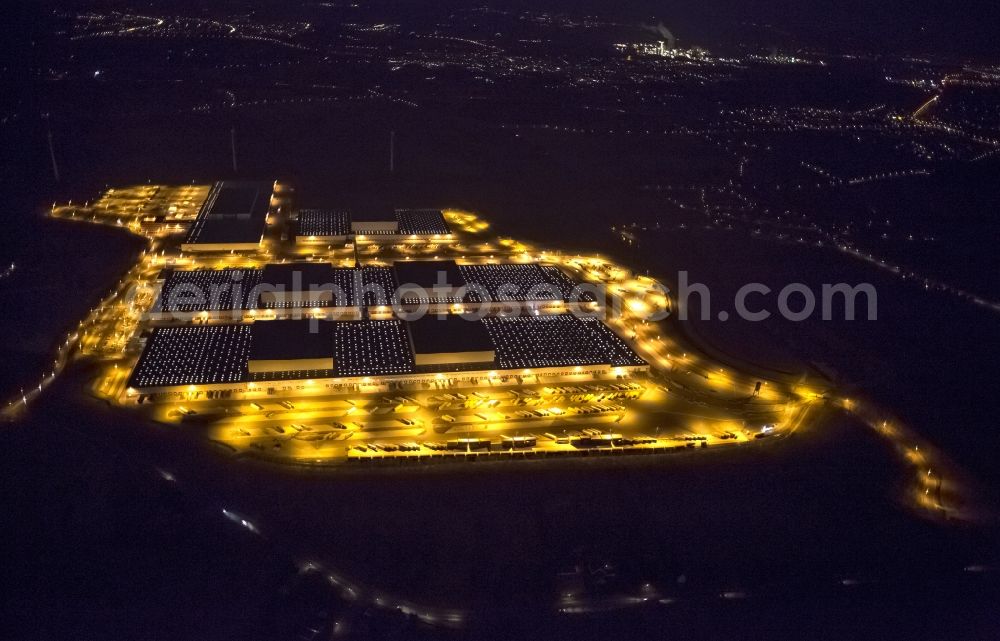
x=523, y=421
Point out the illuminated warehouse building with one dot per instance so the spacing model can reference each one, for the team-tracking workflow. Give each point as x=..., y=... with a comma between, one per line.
x=272, y=356
x=232, y=218
x=329, y=227
x=319, y=290
x=278, y=291
x=489, y=289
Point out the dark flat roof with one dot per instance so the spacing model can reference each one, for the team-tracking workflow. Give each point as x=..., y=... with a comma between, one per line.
x=374, y=214
x=313, y=278
x=226, y=230
x=425, y=273
x=235, y=199
x=434, y=334
x=308, y=273
x=290, y=340
x=233, y=212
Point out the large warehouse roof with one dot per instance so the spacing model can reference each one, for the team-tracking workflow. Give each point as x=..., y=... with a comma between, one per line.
x=320, y=223
x=234, y=213
x=371, y=348
x=379, y=284
x=449, y=333
x=193, y=355
x=429, y=280
x=428, y=273
x=424, y=222
x=519, y=282
x=557, y=340
x=492, y=282
x=311, y=284
x=308, y=285
x=323, y=222
x=241, y=289
x=215, y=354
x=235, y=199
x=290, y=340
x=374, y=215
x=207, y=290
